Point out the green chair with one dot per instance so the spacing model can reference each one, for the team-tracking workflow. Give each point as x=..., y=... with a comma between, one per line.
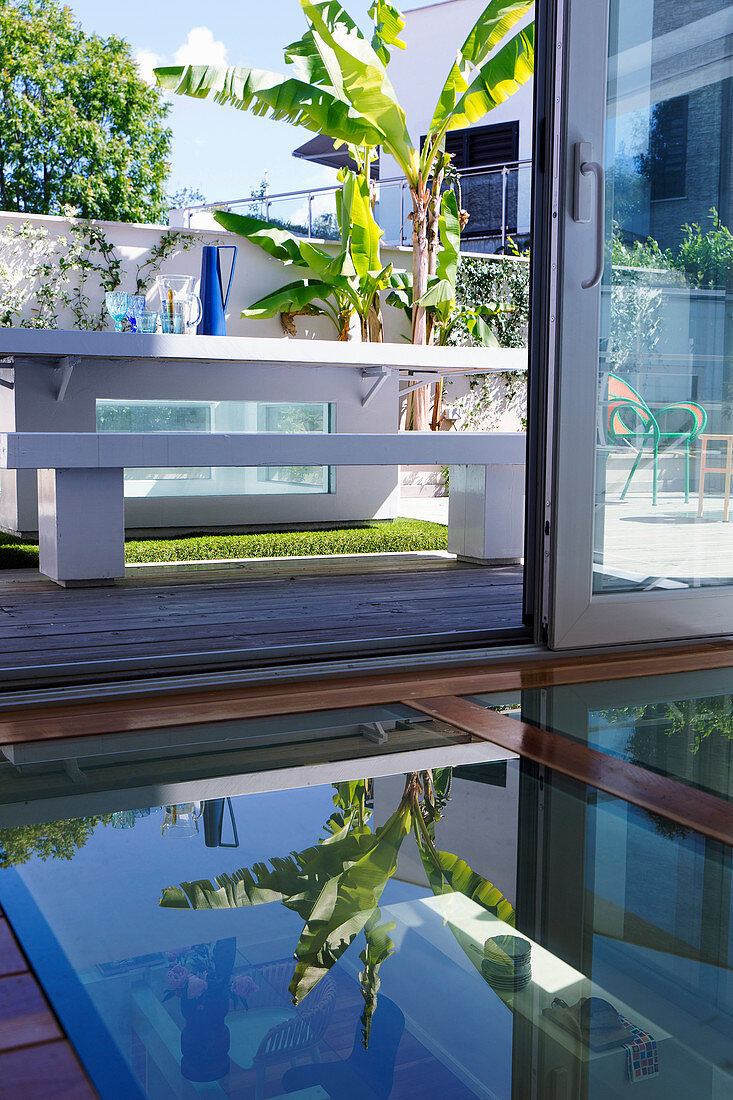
x=630, y=421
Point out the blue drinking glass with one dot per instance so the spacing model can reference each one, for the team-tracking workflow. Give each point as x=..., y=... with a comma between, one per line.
x=117, y=302
x=135, y=307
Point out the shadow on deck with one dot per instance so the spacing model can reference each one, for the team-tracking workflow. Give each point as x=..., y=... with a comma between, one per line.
x=249, y=613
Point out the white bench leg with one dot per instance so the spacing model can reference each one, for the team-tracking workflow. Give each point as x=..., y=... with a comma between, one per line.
x=486, y=513
x=81, y=526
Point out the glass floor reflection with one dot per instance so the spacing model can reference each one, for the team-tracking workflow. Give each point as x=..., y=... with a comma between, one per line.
x=450, y=922
x=678, y=725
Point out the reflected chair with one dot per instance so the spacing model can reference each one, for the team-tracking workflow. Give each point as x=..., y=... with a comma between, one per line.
x=365, y=1074
x=260, y=1039
x=631, y=422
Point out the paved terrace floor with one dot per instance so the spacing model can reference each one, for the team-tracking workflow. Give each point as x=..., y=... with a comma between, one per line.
x=254, y=611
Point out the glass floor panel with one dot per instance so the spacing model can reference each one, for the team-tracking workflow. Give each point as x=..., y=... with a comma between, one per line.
x=472, y=930
x=677, y=725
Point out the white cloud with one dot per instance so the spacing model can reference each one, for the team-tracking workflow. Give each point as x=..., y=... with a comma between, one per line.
x=146, y=61
x=201, y=48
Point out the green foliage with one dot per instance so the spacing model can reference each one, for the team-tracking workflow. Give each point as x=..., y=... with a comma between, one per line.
x=52, y=840
x=79, y=126
x=491, y=280
x=706, y=257
x=42, y=274
x=339, y=85
x=337, y=287
x=395, y=537
x=334, y=887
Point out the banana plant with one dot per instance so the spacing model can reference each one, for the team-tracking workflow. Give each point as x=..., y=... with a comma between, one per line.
x=439, y=300
x=336, y=886
x=339, y=85
x=337, y=286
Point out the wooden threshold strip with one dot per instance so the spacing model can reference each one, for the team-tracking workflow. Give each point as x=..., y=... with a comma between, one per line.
x=695, y=809
x=185, y=708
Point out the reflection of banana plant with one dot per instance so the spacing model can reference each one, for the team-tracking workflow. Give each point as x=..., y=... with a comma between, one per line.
x=336, y=885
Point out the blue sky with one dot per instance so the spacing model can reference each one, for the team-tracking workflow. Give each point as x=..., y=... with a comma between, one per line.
x=222, y=152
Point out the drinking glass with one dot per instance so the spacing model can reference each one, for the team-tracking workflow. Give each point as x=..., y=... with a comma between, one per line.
x=117, y=302
x=135, y=306
x=147, y=321
x=173, y=315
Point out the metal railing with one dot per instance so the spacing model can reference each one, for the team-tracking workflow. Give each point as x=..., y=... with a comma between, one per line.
x=497, y=200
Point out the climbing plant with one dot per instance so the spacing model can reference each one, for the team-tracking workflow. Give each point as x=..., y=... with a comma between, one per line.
x=43, y=274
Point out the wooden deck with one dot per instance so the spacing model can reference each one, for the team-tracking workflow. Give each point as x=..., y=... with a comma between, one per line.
x=36, y=1060
x=254, y=612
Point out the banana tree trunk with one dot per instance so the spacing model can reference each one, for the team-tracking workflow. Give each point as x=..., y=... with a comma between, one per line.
x=418, y=400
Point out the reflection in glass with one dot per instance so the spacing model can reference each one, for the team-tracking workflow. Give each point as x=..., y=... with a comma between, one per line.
x=219, y=416
x=603, y=948
x=665, y=415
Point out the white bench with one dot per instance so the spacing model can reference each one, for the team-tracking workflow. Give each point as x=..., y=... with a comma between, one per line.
x=81, y=488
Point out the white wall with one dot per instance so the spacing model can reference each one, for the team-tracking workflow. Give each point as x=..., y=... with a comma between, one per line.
x=256, y=273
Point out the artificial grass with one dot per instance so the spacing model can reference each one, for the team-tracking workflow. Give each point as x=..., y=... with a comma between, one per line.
x=393, y=537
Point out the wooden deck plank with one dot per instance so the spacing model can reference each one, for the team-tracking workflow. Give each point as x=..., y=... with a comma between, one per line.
x=12, y=960
x=660, y=794
x=183, y=708
x=47, y=1072
x=43, y=626
x=25, y=1018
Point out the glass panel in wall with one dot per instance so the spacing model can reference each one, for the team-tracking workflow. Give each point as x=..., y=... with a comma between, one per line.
x=114, y=415
x=664, y=460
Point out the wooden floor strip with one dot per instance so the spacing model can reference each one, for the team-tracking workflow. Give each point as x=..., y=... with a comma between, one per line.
x=183, y=708
x=36, y=1060
x=695, y=809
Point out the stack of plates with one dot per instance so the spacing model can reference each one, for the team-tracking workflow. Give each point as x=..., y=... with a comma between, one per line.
x=506, y=963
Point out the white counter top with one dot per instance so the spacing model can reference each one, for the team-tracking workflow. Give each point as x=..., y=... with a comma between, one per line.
x=54, y=345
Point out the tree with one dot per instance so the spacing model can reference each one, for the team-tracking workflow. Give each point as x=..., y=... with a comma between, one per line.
x=52, y=840
x=79, y=126
x=339, y=85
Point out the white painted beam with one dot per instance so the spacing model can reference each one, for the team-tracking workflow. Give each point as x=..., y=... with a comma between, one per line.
x=119, y=450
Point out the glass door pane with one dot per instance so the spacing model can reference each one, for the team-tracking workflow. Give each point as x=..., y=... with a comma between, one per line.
x=654, y=364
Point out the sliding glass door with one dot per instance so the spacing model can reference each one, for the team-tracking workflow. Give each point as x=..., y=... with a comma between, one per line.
x=640, y=522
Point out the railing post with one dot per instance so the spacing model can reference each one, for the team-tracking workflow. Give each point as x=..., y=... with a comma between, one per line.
x=504, y=174
x=267, y=210
x=310, y=214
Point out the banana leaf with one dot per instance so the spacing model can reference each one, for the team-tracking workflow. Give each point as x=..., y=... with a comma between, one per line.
x=506, y=72
x=379, y=946
x=334, y=887
x=492, y=26
x=278, y=243
x=356, y=220
x=389, y=22
x=292, y=298
x=448, y=874
x=359, y=77
x=315, y=107
x=342, y=907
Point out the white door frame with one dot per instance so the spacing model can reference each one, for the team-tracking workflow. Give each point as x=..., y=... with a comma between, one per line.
x=575, y=617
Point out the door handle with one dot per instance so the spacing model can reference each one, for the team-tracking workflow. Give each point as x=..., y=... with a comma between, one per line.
x=584, y=167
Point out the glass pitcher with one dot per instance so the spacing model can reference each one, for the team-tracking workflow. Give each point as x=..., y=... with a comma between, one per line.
x=181, y=820
x=178, y=303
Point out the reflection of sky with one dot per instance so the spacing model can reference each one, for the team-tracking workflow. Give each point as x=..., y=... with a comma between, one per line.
x=103, y=904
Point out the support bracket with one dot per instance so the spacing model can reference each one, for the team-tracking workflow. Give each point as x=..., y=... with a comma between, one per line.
x=63, y=372
x=379, y=374
x=7, y=371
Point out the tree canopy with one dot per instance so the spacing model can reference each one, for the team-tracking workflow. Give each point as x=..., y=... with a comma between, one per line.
x=79, y=126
